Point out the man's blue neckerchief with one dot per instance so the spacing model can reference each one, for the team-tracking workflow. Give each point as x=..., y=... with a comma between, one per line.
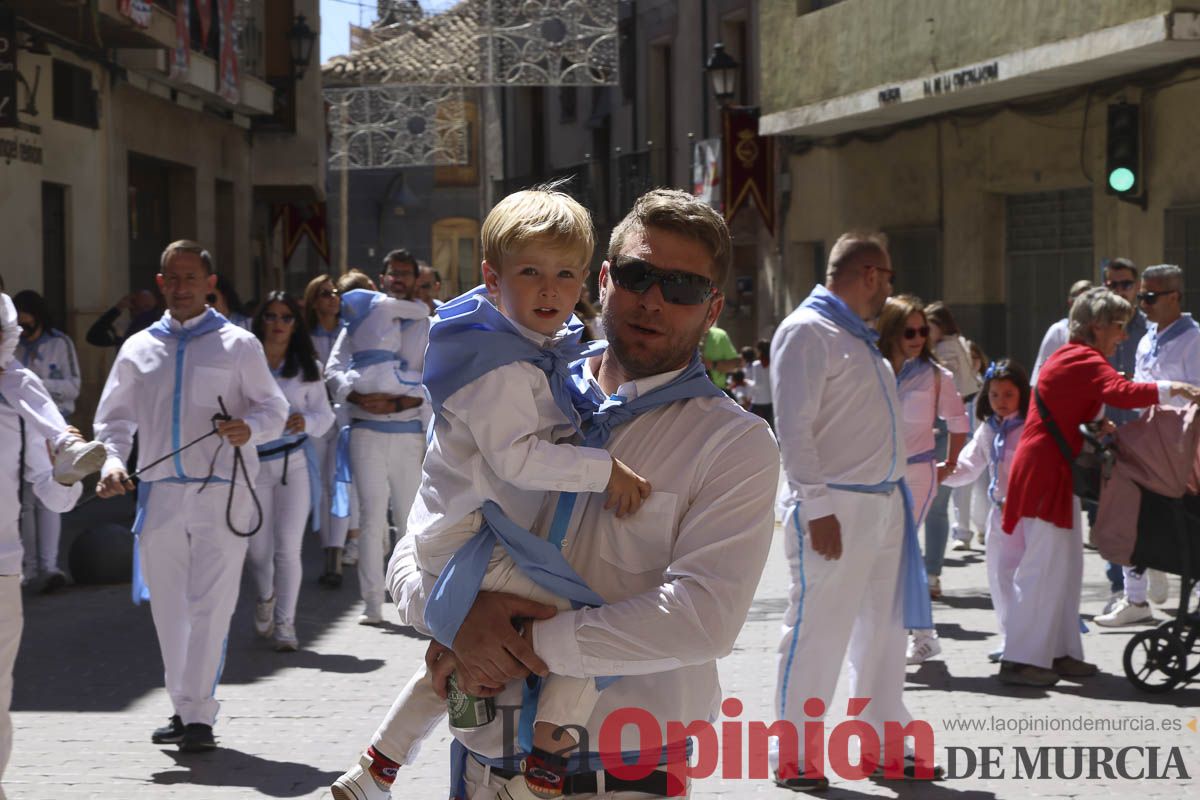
x=1000, y=442
x=470, y=337
x=918, y=613
x=356, y=306
x=210, y=321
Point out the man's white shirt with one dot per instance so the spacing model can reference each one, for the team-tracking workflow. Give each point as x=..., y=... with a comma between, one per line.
x=679, y=576
x=1056, y=336
x=1177, y=360
x=835, y=402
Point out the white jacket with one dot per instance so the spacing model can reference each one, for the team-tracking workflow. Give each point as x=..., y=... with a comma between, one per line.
x=52, y=358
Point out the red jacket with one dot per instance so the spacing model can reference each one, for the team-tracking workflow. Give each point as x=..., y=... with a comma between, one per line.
x=1074, y=384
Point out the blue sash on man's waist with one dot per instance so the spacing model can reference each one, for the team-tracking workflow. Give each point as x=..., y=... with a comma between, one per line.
x=367, y=358
x=343, y=474
x=918, y=613
x=927, y=457
x=141, y=592
x=282, y=448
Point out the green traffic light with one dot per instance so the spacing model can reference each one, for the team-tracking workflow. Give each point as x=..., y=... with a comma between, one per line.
x=1121, y=179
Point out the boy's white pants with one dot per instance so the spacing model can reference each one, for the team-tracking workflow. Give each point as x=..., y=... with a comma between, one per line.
x=41, y=531
x=274, y=552
x=1043, y=620
x=386, y=466
x=417, y=710
x=192, y=563
x=849, y=606
x=11, y=622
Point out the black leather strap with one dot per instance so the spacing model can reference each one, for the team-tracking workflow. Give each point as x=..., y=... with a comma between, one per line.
x=1052, y=426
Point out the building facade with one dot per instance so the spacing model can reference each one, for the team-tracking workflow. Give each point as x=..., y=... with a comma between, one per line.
x=974, y=134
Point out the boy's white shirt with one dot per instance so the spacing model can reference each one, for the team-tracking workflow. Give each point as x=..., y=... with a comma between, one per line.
x=497, y=439
x=139, y=396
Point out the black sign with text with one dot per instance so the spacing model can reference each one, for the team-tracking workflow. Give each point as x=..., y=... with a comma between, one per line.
x=8, y=69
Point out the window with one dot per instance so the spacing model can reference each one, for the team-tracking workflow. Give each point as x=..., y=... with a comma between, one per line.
x=1181, y=246
x=456, y=254
x=75, y=101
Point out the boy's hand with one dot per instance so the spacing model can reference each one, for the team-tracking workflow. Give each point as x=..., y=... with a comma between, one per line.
x=626, y=490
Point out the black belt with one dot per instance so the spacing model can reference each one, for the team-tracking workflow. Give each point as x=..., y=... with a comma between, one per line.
x=656, y=783
x=286, y=449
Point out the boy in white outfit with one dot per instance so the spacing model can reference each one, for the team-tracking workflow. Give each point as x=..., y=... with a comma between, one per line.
x=496, y=438
x=188, y=376
x=375, y=323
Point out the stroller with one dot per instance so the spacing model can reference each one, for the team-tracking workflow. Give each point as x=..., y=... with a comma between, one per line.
x=1149, y=517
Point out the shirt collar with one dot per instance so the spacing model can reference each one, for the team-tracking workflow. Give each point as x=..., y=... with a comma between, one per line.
x=632, y=390
x=189, y=324
x=540, y=339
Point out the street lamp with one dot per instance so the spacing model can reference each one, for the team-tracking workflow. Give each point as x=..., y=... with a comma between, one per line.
x=301, y=39
x=722, y=70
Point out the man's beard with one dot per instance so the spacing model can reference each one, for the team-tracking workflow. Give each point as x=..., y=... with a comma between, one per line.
x=642, y=362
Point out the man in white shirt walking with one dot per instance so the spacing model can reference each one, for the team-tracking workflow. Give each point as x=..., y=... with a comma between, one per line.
x=680, y=574
x=1170, y=351
x=190, y=374
x=837, y=416
x=1057, y=334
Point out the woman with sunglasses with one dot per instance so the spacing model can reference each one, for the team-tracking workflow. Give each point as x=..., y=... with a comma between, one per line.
x=927, y=394
x=288, y=482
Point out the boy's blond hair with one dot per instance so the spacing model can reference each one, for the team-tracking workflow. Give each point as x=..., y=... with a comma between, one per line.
x=544, y=216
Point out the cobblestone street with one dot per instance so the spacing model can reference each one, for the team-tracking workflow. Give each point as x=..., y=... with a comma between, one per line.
x=88, y=693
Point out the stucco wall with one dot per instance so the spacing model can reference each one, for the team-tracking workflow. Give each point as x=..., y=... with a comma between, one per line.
x=858, y=44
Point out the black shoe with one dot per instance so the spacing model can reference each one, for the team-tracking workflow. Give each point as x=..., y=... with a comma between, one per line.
x=803, y=784
x=171, y=733
x=54, y=581
x=333, y=580
x=197, y=738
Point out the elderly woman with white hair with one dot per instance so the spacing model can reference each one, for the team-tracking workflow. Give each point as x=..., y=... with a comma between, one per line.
x=1043, y=642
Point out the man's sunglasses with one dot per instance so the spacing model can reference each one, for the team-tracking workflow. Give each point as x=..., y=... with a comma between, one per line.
x=678, y=287
x=912, y=333
x=1123, y=286
x=286, y=319
x=1150, y=298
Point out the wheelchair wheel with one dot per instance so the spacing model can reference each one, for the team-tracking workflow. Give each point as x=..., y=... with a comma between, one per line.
x=1190, y=636
x=1155, y=660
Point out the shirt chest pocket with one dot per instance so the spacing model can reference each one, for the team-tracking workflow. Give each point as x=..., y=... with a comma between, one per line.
x=206, y=385
x=918, y=407
x=642, y=542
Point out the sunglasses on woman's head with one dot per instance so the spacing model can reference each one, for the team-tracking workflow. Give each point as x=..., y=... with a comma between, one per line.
x=1150, y=298
x=678, y=287
x=286, y=319
x=912, y=333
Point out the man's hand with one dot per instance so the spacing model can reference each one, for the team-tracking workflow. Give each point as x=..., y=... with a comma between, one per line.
x=234, y=431
x=626, y=490
x=488, y=647
x=114, y=483
x=441, y=662
x=826, y=534
x=380, y=403
x=294, y=424
x=1187, y=391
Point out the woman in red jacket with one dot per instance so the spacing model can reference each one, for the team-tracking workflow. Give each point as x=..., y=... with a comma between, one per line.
x=1041, y=512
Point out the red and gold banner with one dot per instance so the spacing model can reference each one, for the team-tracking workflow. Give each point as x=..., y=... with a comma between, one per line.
x=204, y=12
x=301, y=221
x=181, y=56
x=228, y=79
x=749, y=161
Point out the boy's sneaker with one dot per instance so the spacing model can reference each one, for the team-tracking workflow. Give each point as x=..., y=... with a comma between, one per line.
x=922, y=647
x=285, y=638
x=74, y=460
x=361, y=783
x=1126, y=613
x=962, y=539
x=350, y=553
x=1113, y=601
x=517, y=788
x=171, y=733
x=197, y=738
x=264, y=617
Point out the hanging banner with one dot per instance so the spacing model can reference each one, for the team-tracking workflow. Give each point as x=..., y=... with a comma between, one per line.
x=204, y=12
x=296, y=222
x=749, y=164
x=706, y=172
x=140, y=11
x=181, y=56
x=229, y=82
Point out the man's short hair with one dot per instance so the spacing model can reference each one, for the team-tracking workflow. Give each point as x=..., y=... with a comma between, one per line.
x=851, y=247
x=401, y=256
x=353, y=279
x=678, y=212
x=186, y=246
x=1169, y=274
x=543, y=216
x=1121, y=263
x=1078, y=288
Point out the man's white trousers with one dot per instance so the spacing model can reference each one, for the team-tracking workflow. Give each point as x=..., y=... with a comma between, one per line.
x=192, y=563
x=386, y=466
x=849, y=606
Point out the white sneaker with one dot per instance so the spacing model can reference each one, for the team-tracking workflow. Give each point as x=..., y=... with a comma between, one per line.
x=516, y=788
x=357, y=783
x=922, y=647
x=76, y=459
x=372, y=614
x=981, y=538
x=1125, y=613
x=962, y=539
x=350, y=553
x=1157, y=586
x=285, y=638
x=264, y=617
x=1113, y=600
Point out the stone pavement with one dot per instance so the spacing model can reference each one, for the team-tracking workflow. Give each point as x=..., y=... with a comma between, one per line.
x=88, y=693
